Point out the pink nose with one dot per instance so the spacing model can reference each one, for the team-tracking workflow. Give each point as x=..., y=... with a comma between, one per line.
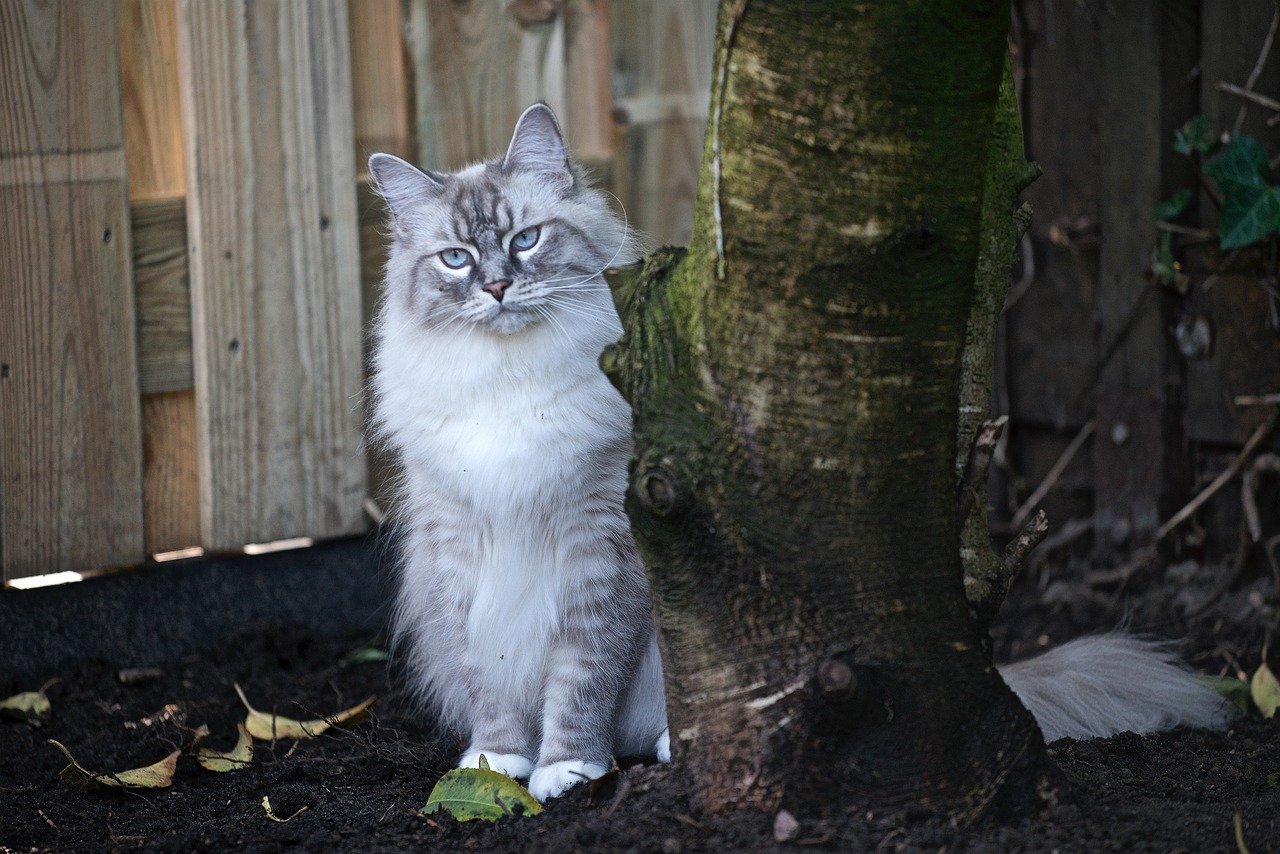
x=496, y=289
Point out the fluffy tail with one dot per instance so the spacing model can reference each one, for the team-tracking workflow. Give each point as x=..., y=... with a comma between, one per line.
x=1101, y=685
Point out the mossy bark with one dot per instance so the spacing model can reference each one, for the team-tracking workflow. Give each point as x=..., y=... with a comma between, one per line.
x=795, y=378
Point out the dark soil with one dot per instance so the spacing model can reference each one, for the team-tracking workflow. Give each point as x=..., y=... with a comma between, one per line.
x=362, y=789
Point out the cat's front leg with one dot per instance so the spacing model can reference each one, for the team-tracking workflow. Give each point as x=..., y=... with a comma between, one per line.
x=499, y=732
x=598, y=646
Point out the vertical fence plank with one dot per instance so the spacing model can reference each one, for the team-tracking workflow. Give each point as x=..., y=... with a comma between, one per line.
x=266, y=96
x=662, y=53
x=383, y=122
x=153, y=144
x=589, y=82
x=467, y=89
x=70, y=461
x=1149, y=48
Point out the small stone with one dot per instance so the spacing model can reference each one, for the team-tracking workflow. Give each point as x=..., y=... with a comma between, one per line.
x=671, y=845
x=785, y=826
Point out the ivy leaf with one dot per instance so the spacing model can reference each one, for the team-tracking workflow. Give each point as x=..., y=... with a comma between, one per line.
x=1249, y=215
x=1195, y=135
x=1171, y=207
x=480, y=793
x=1234, y=690
x=1242, y=161
x=1265, y=690
x=1250, y=204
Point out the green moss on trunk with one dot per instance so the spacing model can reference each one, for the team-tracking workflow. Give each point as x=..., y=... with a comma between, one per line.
x=795, y=381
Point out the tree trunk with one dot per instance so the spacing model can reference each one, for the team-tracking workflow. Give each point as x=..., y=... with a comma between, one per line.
x=795, y=378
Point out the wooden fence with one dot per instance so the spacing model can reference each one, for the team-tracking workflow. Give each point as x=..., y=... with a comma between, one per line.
x=1105, y=389
x=190, y=252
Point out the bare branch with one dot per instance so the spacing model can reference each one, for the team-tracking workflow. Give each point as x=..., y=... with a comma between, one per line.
x=1020, y=517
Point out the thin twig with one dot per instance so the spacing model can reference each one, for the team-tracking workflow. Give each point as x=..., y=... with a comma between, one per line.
x=1257, y=66
x=1197, y=233
x=1237, y=465
x=1249, y=95
x=1051, y=478
x=1149, y=553
x=1249, y=491
x=1258, y=399
x=1015, y=554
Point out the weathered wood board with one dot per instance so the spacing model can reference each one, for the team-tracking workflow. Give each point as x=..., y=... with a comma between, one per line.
x=70, y=435
x=275, y=287
x=157, y=182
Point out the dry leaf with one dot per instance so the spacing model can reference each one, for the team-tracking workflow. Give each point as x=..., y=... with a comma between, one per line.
x=274, y=727
x=1265, y=691
x=232, y=760
x=30, y=706
x=271, y=814
x=156, y=776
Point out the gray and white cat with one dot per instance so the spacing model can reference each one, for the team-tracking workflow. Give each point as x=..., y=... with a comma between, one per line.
x=523, y=605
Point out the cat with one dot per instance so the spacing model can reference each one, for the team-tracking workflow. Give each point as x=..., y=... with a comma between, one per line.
x=523, y=603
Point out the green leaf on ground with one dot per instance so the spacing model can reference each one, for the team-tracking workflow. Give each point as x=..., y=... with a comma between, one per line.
x=1235, y=690
x=1265, y=691
x=267, y=727
x=156, y=776
x=480, y=793
x=30, y=706
x=1171, y=207
x=232, y=760
x=1195, y=135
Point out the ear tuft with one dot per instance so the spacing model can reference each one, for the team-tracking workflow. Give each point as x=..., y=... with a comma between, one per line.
x=537, y=146
x=402, y=184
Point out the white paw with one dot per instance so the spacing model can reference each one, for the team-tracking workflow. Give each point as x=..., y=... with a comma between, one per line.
x=511, y=764
x=552, y=780
x=663, y=746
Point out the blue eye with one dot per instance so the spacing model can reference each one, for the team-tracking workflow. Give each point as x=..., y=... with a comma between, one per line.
x=526, y=240
x=455, y=259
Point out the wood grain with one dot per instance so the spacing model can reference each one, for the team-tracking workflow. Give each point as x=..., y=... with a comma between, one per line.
x=589, y=82
x=383, y=122
x=70, y=438
x=1141, y=472
x=476, y=66
x=157, y=182
x=266, y=93
x=662, y=52
x=380, y=80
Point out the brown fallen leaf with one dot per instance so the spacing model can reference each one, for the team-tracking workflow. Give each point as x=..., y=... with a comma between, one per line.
x=156, y=776
x=232, y=760
x=268, y=727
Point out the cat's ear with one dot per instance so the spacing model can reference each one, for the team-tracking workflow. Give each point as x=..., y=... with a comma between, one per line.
x=403, y=185
x=537, y=146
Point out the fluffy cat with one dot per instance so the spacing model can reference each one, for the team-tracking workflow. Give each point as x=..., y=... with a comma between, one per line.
x=523, y=604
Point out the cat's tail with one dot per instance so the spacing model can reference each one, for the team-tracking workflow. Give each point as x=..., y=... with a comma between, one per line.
x=1098, y=686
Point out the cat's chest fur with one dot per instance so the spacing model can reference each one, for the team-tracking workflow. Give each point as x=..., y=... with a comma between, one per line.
x=503, y=433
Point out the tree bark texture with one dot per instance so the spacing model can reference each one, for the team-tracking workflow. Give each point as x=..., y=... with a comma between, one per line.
x=795, y=378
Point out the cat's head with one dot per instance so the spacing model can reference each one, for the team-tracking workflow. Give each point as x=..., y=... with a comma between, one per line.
x=504, y=245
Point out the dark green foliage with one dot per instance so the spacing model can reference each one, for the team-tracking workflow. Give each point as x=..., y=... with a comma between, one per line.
x=1250, y=203
x=1195, y=136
